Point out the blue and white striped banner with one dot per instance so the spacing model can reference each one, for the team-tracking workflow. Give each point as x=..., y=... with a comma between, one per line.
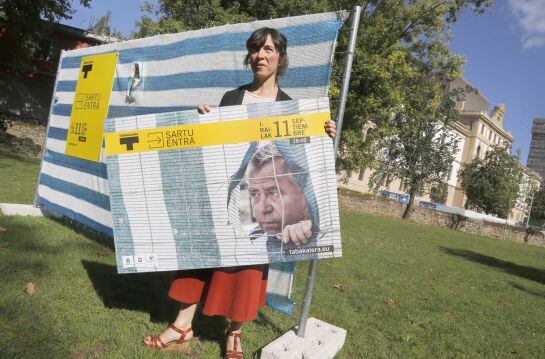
x=178, y=71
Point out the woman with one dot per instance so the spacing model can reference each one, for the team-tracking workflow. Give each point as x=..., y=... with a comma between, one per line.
x=235, y=292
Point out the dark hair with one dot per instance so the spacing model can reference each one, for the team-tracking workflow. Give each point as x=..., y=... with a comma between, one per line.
x=258, y=38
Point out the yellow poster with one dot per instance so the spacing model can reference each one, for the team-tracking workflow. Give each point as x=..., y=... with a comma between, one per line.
x=297, y=128
x=90, y=108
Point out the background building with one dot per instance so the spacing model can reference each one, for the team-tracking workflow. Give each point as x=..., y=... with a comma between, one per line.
x=477, y=130
x=27, y=96
x=536, y=155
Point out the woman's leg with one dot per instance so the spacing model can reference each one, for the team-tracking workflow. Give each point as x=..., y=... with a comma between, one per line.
x=182, y=322
x=235, y=327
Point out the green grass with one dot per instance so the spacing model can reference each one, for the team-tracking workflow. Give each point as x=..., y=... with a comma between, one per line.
x=409, y=290
x=18, y=175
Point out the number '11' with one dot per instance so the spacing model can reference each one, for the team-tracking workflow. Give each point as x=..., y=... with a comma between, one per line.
x=285, y=122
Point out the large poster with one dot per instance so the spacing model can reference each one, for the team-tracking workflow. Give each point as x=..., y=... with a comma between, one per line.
x=164, y=73
x=175, y=72
x=241, y=185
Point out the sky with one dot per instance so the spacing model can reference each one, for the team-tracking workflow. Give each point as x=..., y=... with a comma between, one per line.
x=505, y=60
x=124, y=14
x=504, y=52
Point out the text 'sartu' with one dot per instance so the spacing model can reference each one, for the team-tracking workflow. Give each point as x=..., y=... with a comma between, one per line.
x=296, y=127
x=90, y=107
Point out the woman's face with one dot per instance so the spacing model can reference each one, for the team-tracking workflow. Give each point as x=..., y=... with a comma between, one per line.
x=264, y=62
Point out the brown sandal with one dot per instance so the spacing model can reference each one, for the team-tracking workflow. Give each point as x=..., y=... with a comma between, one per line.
x=234, y=354
x=177, y=345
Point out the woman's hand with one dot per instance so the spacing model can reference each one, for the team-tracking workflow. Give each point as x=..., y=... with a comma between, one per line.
x=330, y=128
x=203, y=109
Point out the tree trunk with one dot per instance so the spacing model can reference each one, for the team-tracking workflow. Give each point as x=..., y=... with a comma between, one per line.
x=410, y=205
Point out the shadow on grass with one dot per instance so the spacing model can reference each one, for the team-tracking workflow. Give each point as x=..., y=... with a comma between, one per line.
x=533, y=292
x=531, y=273
x=263, y=320
x=143, y=292
x=30, y=267
x=24, y=238
x=17, y=156
x=90, y=233
x=148, y=293
x=22, y=318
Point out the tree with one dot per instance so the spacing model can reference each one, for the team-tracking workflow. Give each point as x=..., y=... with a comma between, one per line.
x=492, y=184
x=24, y=20
x=421, y=151
x=402, y=65
x=395, y=39
x=180, y=16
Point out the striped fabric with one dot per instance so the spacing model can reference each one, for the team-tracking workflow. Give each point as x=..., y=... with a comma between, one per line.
x=178, y=72
x=181, y=208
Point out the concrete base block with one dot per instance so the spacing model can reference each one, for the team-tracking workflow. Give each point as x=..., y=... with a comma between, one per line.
x=13, y=209
x=321, y=341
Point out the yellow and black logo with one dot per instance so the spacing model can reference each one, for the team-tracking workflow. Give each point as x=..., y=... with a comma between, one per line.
x=86, y=69
x=129, y=141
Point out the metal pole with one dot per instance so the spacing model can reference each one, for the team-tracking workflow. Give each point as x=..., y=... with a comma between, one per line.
x=342, y=101
x=346, y=76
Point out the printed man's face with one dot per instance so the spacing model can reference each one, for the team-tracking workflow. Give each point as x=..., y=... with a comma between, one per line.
x=276, y=201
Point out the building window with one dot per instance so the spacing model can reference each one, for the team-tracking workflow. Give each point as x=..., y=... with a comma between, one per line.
x=482, y=128
x=478, y=151
x=362, y=174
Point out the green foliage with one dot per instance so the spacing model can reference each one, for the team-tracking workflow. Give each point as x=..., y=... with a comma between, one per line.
x=492, y=184
x=24, y=21
x=177, y=16
x=422, y=150
x=398, y=42
x=538, y=205
x=402, y=65
x=413, y=138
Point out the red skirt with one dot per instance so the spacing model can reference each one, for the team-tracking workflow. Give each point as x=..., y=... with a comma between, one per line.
x=233, y=292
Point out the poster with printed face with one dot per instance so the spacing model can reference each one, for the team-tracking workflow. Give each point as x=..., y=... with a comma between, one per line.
x=242, y=185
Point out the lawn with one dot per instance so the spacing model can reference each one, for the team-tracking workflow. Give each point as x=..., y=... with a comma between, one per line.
x=18, y=176
x=401, y=290
x=405, y=290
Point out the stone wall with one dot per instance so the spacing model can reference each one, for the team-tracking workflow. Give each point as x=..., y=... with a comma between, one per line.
x=383, y=207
